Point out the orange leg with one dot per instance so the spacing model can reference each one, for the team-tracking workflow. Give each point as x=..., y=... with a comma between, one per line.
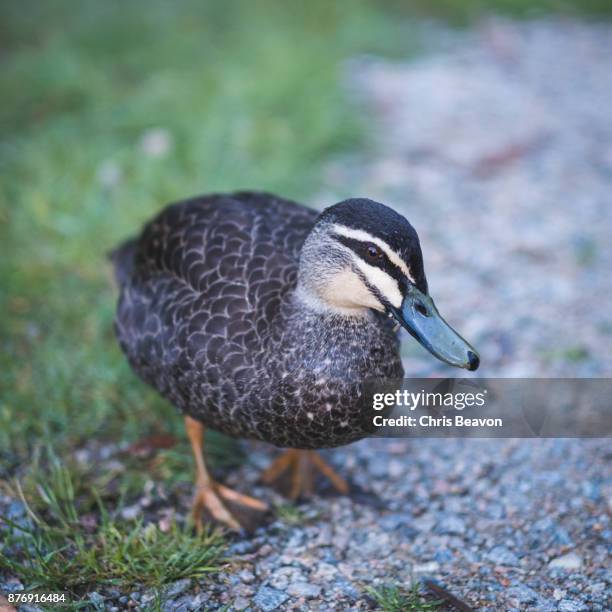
x=208, y=493
x=302, y=464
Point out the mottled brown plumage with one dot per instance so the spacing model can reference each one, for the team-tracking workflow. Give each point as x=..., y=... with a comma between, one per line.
x=209, y=316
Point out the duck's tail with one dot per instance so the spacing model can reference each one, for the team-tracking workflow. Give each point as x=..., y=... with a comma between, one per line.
x=122, y=259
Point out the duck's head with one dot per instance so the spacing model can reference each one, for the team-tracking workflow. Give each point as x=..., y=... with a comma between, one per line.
x=362, y=255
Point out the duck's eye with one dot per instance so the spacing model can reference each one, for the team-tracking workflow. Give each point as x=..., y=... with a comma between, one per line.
x=374, y=252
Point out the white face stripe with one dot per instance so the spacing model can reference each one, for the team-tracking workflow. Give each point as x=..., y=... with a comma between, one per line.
x=364, y=236
x=378, y=278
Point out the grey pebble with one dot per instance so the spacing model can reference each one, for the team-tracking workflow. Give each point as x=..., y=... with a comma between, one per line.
x=523, y=593
x=304, y=589
x=570, y=561
x=240, y=603
x=96, y=599
x=451, y=525
x=246, y=576
x=501, y=555
x=571, y=605
x=148, y=596
x=268, y=598
x=176, y=588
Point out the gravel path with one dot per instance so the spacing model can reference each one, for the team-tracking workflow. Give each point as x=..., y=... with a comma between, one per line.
x=498, y=147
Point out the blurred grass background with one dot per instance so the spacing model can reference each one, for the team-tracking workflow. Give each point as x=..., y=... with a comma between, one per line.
x=250, y=95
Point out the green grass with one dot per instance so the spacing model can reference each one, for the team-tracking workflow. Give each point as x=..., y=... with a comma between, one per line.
x=393, y=598
x=57, y=550
x=251, y=96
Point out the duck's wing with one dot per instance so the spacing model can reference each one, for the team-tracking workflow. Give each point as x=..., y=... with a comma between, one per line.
x=204, y=278
x=220, y=237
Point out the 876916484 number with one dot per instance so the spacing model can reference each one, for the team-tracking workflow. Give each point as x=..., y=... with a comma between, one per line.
x=39, y=597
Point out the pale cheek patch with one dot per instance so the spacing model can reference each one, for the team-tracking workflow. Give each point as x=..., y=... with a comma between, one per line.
x=378, y=278
x=346, y=291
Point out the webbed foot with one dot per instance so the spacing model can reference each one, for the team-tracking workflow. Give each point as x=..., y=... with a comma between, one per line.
x=303, y=464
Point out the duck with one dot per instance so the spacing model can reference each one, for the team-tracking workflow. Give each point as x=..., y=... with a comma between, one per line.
x=262, y=318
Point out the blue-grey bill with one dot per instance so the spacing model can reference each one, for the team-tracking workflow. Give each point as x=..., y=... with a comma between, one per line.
x=419, y=315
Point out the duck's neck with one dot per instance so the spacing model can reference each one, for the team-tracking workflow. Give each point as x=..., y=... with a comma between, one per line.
x=312, y=339
x=316, y=327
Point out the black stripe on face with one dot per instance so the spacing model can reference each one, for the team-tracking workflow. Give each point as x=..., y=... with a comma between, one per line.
x=363, y=250
x=373, y=290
